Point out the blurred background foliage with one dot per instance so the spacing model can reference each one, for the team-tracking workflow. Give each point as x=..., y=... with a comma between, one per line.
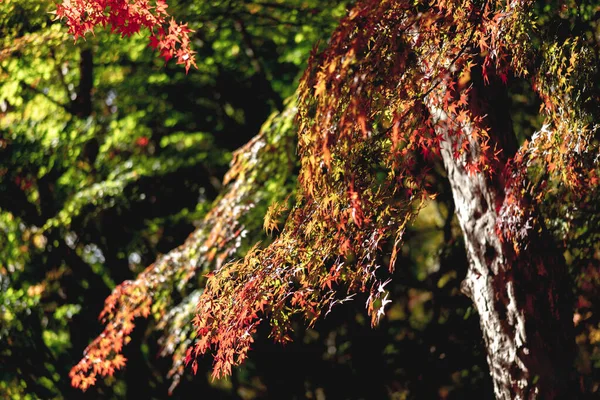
x=110, y=158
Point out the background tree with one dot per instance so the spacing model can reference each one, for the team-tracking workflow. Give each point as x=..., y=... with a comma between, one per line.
x=362, y=166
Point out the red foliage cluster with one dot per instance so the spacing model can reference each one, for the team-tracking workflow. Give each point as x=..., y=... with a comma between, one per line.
x=365, y=135
x=219, y=237
x=393, y=86
x=127, y=17
x=103, y=356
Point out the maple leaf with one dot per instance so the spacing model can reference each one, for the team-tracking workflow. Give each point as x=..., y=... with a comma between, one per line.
x=119, y=361
x=462, y=117
x=271, y=219
x=76, y=379
x=161, y=7
x=463, y=100
x=154, y=42
x=320, y=88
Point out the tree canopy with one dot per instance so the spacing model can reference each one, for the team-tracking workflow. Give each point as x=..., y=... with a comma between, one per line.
x=402, y=148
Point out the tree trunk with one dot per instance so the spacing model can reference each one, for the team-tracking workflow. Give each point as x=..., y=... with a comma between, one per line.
x=82, y=105
x=519, y=286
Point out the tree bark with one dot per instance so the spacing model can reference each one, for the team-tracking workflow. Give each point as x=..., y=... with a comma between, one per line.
x=519, y=287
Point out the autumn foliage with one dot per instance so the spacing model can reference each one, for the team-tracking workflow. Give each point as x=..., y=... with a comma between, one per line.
x=223, y=234
x=366, y=122
x=126, y=18
x=395, y=81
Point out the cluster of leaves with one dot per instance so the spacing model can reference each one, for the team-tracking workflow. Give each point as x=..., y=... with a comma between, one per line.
x=561, y=159
x=259, y=172
x=365, y=123
x=128, y=17
x=362, y=130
